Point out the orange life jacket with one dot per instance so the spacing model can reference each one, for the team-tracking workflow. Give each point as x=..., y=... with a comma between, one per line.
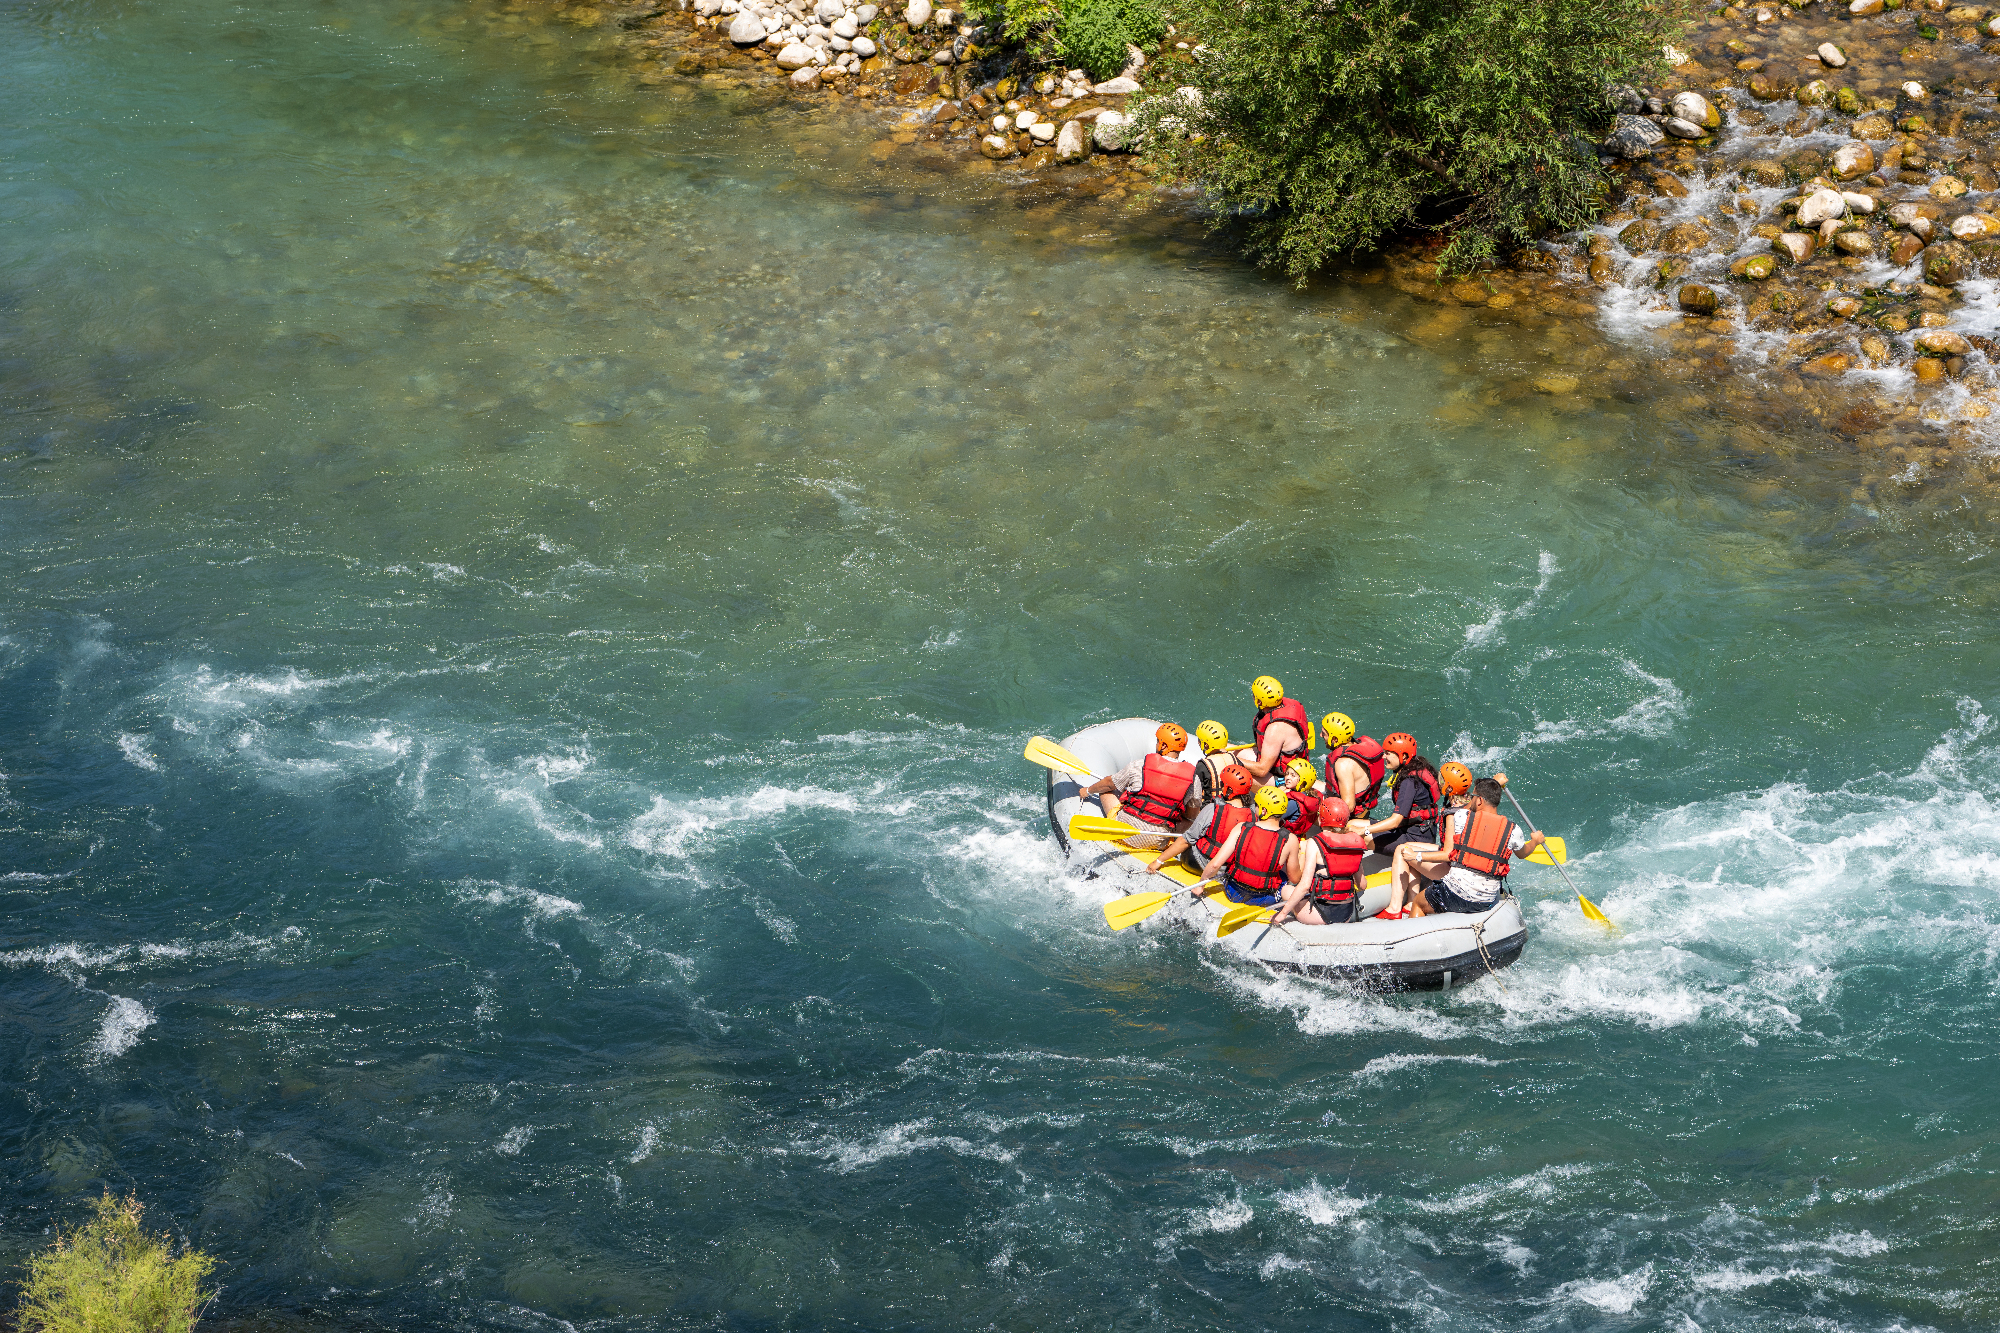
x=1339, y=877
x=1285, y=710
x=1258, y=863
x=1227, y=817
x=1302, y=824
x=1163, y=785
x=1483, y=847
x=1367, y=752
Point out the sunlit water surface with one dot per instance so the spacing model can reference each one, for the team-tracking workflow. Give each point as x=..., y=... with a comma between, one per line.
x=522, y=600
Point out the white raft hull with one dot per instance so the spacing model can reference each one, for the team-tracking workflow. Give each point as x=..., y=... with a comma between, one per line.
x=1417, y=953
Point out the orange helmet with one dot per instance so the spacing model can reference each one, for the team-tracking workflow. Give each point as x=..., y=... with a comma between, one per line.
x=1455, y=778
x=1401, y=744
x=1171, y=738
x=1334, y=812
x=1236, y=781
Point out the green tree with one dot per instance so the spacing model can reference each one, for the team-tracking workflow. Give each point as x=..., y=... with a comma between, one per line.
x=111, y=1276
x=1322, y=127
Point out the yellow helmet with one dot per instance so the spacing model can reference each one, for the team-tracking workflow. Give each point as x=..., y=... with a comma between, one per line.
x=1266, y=692
x=1213, y=736
x=1338, y=728
x=1302, y=774
x=1271, y=803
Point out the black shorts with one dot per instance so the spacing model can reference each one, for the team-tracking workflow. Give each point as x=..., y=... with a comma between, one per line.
x=1334, y=914
x=1443, y=899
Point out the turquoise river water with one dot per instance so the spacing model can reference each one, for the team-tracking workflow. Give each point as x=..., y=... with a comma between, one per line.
x=520, y=603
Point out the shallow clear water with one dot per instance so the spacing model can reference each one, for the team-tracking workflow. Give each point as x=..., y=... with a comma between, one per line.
x=523, y=598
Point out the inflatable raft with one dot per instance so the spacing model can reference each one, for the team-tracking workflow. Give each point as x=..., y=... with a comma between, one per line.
x=1417, y=953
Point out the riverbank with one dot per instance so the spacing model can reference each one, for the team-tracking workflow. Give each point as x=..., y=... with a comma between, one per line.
x=1812, y=233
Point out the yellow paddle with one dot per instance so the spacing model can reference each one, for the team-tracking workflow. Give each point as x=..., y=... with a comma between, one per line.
x=1552, y=852
x=1590, y=909
x=1240, y=916
x=1096, y=828
x=1041, y=750
x=1134, y=908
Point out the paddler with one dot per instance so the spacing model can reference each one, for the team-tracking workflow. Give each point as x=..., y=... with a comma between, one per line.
x=1213, y=738
x=1415, y=794
x=1354, y=764
x=1303, y=794
x=1158, y=790
x=1327, y=879
x=1215, y=822
x=1410, y=872
x=1480, y=845
x=1284, y=732
x=1250, y=865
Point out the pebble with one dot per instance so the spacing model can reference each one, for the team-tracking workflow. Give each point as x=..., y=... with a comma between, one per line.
x=845, y=26
x=996, y=146
x=917, y=14
x=1794, y=247
x=1916, y=92
x=797, y=56
x=1942, y=342
x=1855, y=242
x=1697, y=299
x=1831, y=56
x=1820, y=205
x=1844, y=306
x=1857, y=202
x=1682, y=129
x=1042, y=131
x=808, y=77
x=1696, y=110
x=1555, y=382
x=1025, y=120
x=1754, y=268
x=1860, y=8
x=864, y=47
x=1975, y=227
x=1853, y=159
x=1947, y=187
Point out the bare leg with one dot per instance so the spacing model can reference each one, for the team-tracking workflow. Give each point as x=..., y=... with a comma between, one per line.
x=1109, y=803
x=1299, y=906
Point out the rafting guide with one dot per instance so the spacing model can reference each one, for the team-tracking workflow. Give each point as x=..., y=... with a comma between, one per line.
x=1376, y=866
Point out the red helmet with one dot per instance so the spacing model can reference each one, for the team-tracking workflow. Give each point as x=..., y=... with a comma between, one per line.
x=1401, y=744
x=1236, y=781
x=1171, y=738
x=1334, y=812
x=1455, y=778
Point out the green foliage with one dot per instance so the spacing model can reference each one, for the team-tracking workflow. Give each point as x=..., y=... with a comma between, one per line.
x=1091, y=36
x=1016, y=21
x=1145, y=22
x=1325, y=125
x=110, y=1276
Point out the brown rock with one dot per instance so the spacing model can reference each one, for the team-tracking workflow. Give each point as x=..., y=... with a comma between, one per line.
x=1844, y=306
x=1946, y=264
x=1906, y=249
x=1697, y=299
x=1684, y=238
x=1855, y=242
x=1793, y=247
x=1754, y=268
x=1942, y=342
x=1772, y=87
x=1830, y=366
x=1876, y=126
x=1763, y=170
x=1947, y=187
x=1640, y=236
x=1601, y=269
x=1929, y=368
x=1876, y=349
x=1851, y=160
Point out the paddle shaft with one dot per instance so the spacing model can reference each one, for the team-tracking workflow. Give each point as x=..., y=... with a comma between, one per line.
x=1529, y=820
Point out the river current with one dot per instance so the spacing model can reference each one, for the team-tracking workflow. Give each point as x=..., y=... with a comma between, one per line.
x=520, y=603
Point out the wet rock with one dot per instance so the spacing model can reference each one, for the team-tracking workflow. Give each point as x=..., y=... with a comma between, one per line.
x=1793, y=247
x=1915, y=91
x=1905, y=250
x=1112, y=132
x=1640, y=236
x=1624, y=97
x=1763, y=170
x=1754, y=268
x=1816, y=93
x=864, y=47
x=1830, y=366
x=1820, y=205
x=917, y=14
x=1876, y=126
x=1697, y=299
x=1116, y=87
x=1875, y=348
x=1852, y=160
x=796, y=55
x=1928, y=369
x=1772, y=87
x=1831, y=56
x=1696, y=110
x=996, y=147
x=1858, y=202
x=1025, y=119
x=1042, y=131
x=806, y=77
x=1911, y=211
x=1555, y=382
x=1633, y=137
x=1946, y=264
x=1854, y=242
x=747, y=29
x=1947, y=187
x=1942, y=342
x=1847, y=307
x=1975, y=227
x=1681, y=129
x=1862, y=8
x=1684, y=238
x=1847, y=101
x=846, y=27
x=1073, y=141
x=1602, y=269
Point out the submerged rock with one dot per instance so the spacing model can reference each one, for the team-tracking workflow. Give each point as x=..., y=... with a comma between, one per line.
x=1974, y=227
x=1754, y=268
x=1697, y=299
x=1851, y=160
x=1942, y=342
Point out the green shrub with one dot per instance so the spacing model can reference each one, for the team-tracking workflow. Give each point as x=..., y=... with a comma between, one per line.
x=1016, y=20
x=1091, y=36
x=110, y=1276
x=1145, y=22
x=1323, y=128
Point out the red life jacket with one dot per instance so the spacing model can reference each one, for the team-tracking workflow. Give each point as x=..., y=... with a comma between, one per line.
x=1484, y=847
x=1286, y=710
x=1302, y=824
x=1339, y=877
x=1226, y=817
x=1367, y=752
x=1258, y=863
x=1163, y=785
x=1420, y=813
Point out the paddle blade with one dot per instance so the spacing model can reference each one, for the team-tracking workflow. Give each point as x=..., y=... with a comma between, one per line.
x=1134, y=908
x=1553, y=852
x=1041, y=750
x=1096, y=828
x=1590, y=911
x=1238, y=917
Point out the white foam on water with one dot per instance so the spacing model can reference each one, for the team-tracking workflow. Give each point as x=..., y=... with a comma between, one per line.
x=1616, y=1295
x=902, y=1140
x=1488, y=631
x=1383, y=1065
x=541, y=906
x=514, y=1140
x=1655, y=713
x=1280, y=1262
x=1513, y=1254
x=1738, y=1277
x=133, y=747
x=1517, y=1194
x=672, y=828
x=649, y=1139
x=119, y=1030
x=1321, y=1206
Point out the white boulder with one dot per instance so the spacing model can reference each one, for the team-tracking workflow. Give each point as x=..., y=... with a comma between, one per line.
x=797, y=55
x=1118, y=86
x=1042, y=131
x=1112, y=132
x=747, y=30
x=1073, y=141
x=846, y=27
x=1820, y=205
x=918, y=13
x=864, y=47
